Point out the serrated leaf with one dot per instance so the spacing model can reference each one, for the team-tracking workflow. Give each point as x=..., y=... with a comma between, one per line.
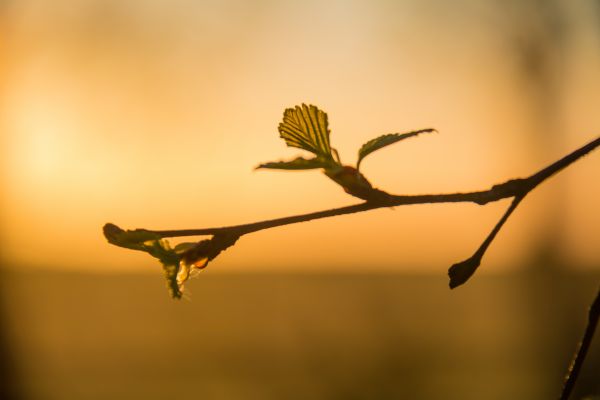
x=385, y=140
x=299, y=164
x=306, y=127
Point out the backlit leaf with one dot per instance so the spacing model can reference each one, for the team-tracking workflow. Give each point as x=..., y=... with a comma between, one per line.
x=299, y=163
x=385, y=140
x=306, y=127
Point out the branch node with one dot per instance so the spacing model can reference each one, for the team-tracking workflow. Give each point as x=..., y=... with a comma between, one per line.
x=512, y=188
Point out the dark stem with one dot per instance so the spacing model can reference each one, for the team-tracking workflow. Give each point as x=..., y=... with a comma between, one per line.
x=272, y=223
x=488, y=240
x=461, y=272
x=584, y=346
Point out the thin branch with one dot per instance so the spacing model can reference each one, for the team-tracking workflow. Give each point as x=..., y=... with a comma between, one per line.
x=460, y=272
x=480, y=252
x=511, y=188
x=584, y=346
x=564, y=162
x=257, y=226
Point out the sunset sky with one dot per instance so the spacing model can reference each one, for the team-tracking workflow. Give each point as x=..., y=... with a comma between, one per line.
x=153, y=114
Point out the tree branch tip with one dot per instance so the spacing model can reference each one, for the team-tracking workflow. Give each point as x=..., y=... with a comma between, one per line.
x=461, y=272
x=110, y=230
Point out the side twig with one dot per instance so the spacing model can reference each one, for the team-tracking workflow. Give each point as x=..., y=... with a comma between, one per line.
x=460, y=272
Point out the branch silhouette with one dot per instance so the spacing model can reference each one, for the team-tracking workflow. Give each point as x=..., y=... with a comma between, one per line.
x=306, y=127
x=459, y=273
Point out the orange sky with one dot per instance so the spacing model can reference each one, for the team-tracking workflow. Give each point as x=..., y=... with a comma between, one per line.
x=154, y=114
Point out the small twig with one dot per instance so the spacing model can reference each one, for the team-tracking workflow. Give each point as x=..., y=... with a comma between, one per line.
x=584, y=345
x=498, y=226
x=460, y=272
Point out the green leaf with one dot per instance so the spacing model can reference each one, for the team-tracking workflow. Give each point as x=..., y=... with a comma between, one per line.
x=299, y=163
x=385, y=140
x=306, y=127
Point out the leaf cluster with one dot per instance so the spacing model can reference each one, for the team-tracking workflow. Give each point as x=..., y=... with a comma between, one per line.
x=307, y=127
x=178, y=262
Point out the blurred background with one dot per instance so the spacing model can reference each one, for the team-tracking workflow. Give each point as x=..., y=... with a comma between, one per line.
x=153, y=114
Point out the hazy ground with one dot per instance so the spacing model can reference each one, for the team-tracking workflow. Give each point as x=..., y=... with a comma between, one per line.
x=292, y=336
